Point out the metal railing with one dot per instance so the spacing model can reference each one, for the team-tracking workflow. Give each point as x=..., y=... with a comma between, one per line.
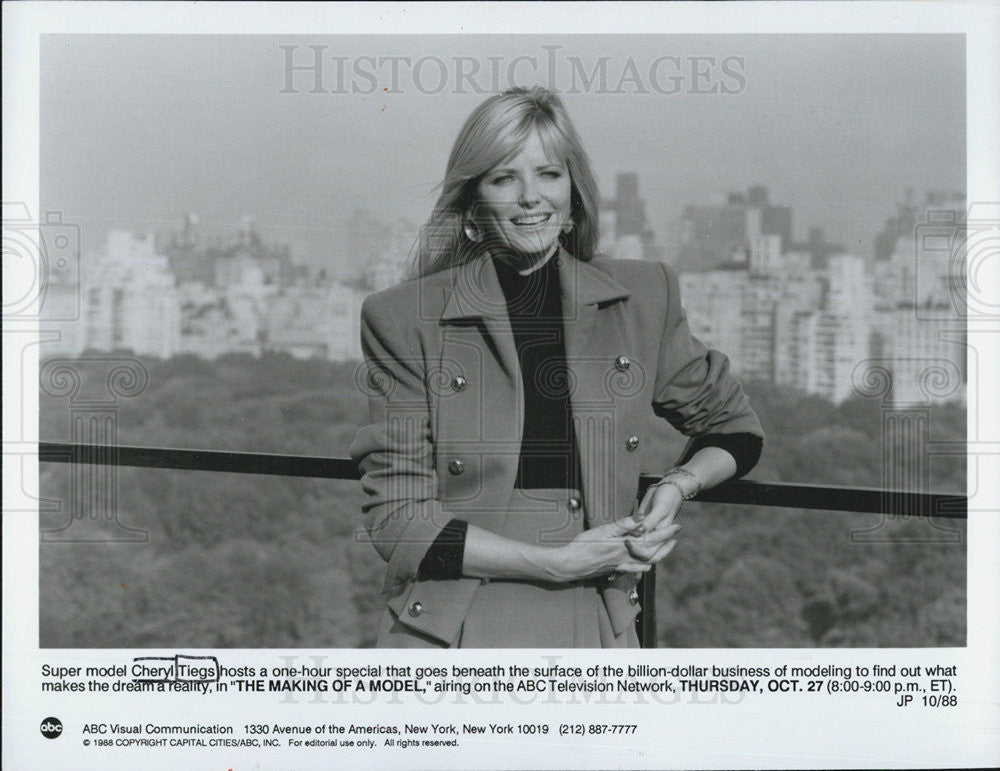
x=739, y=491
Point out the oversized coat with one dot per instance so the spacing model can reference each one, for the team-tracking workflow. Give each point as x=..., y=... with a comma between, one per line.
x=446, y=408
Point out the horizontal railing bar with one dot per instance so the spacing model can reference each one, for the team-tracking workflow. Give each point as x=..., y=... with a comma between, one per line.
x=863, y=500
x=739, y=491
x=200, y=460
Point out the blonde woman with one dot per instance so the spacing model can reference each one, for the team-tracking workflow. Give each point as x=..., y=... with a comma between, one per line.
x=511, y=385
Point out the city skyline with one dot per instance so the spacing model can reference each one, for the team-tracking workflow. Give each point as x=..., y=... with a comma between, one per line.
x=138, y=131
x=803, y=314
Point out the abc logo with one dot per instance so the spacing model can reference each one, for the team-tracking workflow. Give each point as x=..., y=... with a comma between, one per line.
x=51, y=728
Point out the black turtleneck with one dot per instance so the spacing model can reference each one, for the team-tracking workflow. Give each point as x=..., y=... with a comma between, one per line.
x=548, y=456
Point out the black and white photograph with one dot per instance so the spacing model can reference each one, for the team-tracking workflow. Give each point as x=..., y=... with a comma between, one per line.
x=664, y=339
x=738, y=223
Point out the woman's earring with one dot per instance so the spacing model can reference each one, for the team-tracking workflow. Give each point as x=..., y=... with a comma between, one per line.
x=564, y=231
x=472, y=230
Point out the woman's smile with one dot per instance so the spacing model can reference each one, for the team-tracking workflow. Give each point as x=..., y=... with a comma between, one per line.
x=531, y=220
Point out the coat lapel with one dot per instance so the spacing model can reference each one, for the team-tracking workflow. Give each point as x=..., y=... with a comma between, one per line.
x=593, y=341
x=476, y=294
x=585, y=289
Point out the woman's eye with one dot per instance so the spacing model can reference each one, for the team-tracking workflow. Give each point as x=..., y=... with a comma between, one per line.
x=503, y=179
x=552, y=174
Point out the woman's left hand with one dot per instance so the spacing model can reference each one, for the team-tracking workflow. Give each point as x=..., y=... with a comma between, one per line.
x=657, y=513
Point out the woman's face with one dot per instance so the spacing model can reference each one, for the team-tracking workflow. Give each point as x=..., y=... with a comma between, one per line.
x=525, y=201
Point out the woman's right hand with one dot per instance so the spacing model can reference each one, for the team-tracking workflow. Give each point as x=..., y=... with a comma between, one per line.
x=603, y=550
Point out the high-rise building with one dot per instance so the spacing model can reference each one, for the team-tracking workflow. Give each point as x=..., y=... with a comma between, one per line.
x=839, y=343
x=724, y=232
x=622, y=223
x=629, y=207
x=186, y=251
x=794, y=339
x=379, y=249
x=926, y=362
x=909, y=214
x=816, y=248
x=713, y=301
x=129, y=299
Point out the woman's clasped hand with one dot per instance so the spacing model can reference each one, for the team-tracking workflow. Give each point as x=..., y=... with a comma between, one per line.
x=624, y=546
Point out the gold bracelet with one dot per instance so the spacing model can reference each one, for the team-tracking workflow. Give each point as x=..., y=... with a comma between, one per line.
x=677, y=471
x=673, y=484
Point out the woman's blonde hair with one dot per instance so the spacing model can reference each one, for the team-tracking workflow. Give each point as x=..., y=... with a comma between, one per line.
x=496, y=131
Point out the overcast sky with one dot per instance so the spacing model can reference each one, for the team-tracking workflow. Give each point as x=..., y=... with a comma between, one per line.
x=137, y=130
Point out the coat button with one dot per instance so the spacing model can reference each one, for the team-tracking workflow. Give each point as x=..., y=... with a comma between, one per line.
x=631, y=443
x=622, y=363
x=458, y=383
x=633, y=597
x=416, y=609
x=574, y=503
x=456, y=467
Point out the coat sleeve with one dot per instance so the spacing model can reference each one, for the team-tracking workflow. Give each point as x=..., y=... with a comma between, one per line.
x=403, y=515
x=694, y=389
